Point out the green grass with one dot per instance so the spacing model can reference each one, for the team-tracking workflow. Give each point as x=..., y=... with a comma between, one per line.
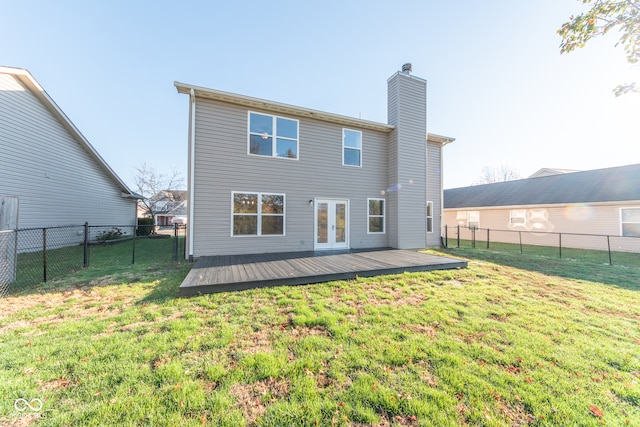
x=109, y=255
x=510, y=341
x=568, y=253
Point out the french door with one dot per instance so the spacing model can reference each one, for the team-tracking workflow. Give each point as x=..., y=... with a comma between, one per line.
x=331, y=224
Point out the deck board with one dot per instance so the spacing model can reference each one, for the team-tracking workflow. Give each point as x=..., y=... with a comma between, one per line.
x=238, y=272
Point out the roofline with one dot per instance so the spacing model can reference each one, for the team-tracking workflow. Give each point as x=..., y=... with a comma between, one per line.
x=441, y=139
x=28, y=80
x=547, y=205
x=278, y=107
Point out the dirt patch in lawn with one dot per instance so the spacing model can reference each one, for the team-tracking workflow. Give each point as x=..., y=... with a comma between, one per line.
x=252, y=399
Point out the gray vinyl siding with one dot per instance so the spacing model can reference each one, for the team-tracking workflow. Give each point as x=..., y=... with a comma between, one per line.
x=57, y=181
x=407, y=111
x=222, y=165
x=392, y=163
x=434, y=190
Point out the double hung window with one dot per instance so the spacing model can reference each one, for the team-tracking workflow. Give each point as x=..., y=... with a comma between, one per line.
x=257, y=214
x=630, y=222
x=272, y=136
x=375, y=216
x=429, y=217
x=351, y=147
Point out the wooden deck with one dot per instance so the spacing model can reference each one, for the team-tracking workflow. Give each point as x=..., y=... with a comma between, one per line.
x=238, y=272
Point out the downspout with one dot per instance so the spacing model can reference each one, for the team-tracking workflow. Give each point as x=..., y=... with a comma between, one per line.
x=191, y=184
x=426, y=191
x=441, y=193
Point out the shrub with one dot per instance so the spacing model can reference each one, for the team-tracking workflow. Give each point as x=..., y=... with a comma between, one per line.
x=113, y=234
x=145, y=227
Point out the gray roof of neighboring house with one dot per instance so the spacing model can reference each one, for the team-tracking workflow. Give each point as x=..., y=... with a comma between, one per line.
x=600, y=185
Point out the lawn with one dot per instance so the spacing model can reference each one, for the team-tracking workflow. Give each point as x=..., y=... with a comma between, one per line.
x=509, y=341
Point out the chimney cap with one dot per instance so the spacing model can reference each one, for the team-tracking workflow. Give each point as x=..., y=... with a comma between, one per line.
x=407, y=68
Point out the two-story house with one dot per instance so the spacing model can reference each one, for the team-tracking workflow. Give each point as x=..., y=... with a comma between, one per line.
x=265, y=176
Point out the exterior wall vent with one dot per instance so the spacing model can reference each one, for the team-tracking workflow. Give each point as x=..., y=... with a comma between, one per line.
x=406, y=68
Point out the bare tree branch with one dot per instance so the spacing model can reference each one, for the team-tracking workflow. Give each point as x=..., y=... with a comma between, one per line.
x=160, y=192
x=491, y=175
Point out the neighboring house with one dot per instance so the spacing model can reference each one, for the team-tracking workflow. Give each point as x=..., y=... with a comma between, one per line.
x=179, y=214
x=49, y=167
x=163, y=204
x=270, y=177
x=602, y=202
x=551, y=171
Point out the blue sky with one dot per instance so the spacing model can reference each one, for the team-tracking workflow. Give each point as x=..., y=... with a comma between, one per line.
x=496, y=80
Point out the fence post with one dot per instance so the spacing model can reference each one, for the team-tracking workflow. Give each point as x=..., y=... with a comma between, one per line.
x=487, y=238
x=446, y=236
x=520, y=237
x=133, y=249
x=473, y=237
x=175, y=242
x=609, y=250
x=560, y=244
x=458, y=236
x=44, y=254
x=85, y=262
x=184, y=243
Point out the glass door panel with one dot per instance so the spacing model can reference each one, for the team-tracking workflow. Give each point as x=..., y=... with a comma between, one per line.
x=322, y=233
x=341, y=222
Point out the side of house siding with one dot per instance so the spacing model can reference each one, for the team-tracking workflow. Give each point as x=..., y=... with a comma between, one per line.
x=55, y=178
x=408, y=112
x=222, y=166
x=434, y=190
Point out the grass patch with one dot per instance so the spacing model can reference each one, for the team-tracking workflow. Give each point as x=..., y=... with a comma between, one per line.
x=510, y=341
x=105, y=258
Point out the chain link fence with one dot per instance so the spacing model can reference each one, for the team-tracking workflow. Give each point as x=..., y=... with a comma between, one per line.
x=34, y=255
x=621, y=250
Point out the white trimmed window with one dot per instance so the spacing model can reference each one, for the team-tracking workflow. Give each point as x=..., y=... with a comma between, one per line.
x=473, y=219
x=518, y=216
x=429, y=217
x=351, y=147
x=272, y=136
x=375, y=216
x=257, y=214
x=630, y=222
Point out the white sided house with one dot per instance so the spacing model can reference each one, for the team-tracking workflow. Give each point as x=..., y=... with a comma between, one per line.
x=270, y=177
x=585, y=206
x=49, y=173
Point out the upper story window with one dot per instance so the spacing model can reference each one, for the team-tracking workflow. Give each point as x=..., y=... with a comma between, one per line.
x=351, y=147
x=630, y=222
x=273, y=136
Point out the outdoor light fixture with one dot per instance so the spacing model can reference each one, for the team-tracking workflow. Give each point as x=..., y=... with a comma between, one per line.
x=311, y=202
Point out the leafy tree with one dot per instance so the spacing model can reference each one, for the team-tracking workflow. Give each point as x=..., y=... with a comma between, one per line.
x=159, y=191
x=605, y=15
x=491, y=175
